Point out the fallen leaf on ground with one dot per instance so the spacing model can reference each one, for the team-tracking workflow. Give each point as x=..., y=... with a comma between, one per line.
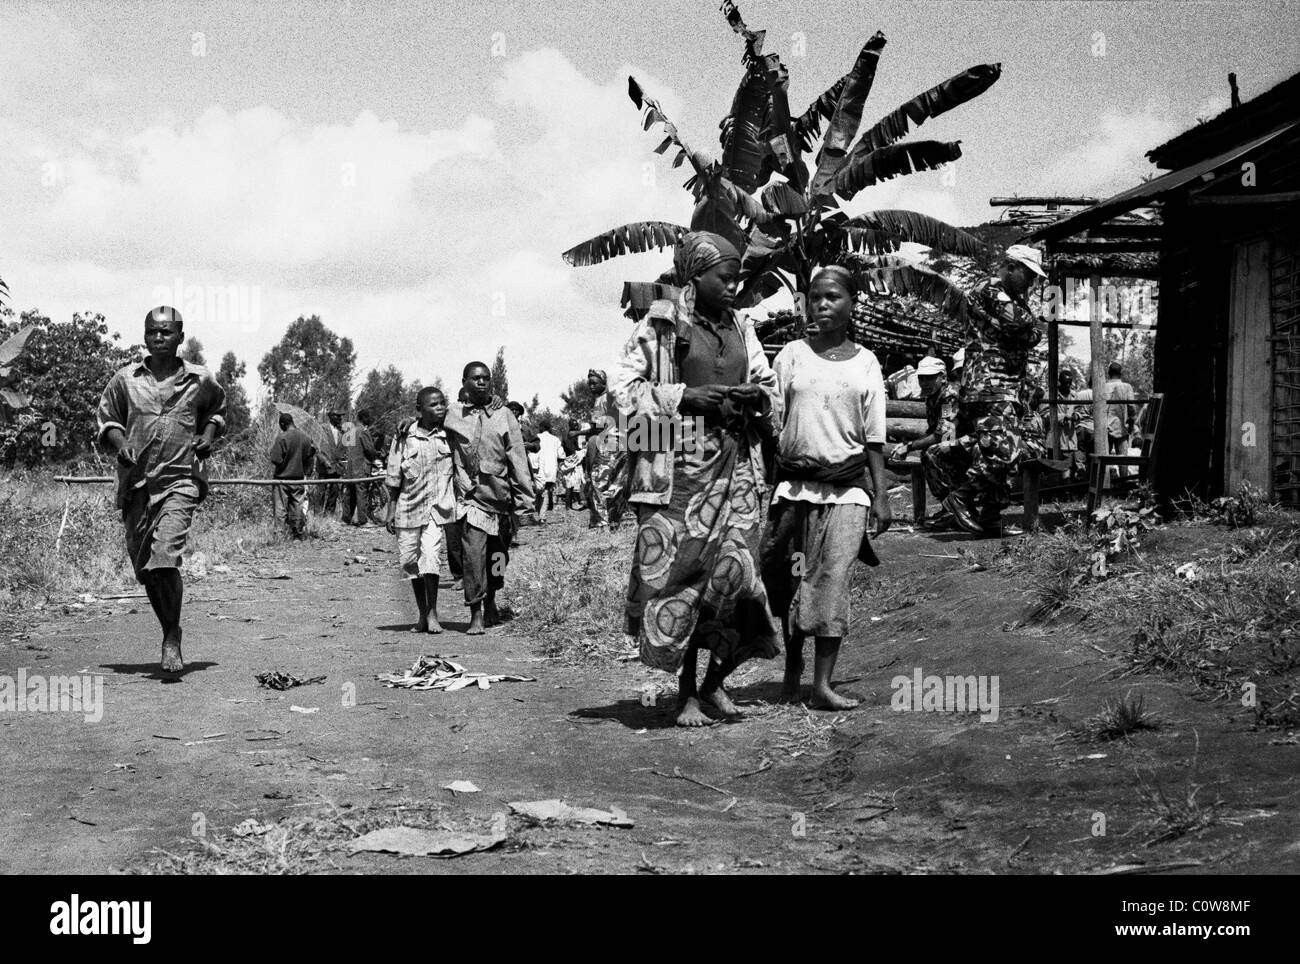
x=276, y=680
x=437, y=673
x=461, y=786
x=305, y=709
x=418, y=842
x=561, y=811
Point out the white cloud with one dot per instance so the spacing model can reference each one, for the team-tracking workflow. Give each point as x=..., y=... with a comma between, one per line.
x=1110, y=156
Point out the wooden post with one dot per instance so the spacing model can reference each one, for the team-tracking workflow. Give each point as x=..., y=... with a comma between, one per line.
x=1100, y=437
x=1053, y=370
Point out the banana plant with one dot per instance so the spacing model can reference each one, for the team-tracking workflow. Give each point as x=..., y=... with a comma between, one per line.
x=780, y=203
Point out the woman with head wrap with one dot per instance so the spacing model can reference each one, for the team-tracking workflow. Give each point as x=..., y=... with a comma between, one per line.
x=832, y=435
x=605, y=462
x=694, y=364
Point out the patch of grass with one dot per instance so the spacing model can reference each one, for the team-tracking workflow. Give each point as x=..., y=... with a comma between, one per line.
x=567, y=591
x=1176, y=816
x=1119, y=719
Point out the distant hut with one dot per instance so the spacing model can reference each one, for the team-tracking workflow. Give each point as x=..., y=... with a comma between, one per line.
x=1227, y=353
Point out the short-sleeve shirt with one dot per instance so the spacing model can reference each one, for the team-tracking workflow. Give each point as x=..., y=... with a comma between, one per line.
x=833, y=410
x=420, y=464
x=161, y=420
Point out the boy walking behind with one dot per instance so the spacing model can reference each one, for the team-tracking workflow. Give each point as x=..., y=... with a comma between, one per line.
x=291, y=456
x=159, y=416
x=422, y=502
x=492, y=482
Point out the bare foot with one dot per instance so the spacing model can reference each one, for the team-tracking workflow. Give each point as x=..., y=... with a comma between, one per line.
x=475, y=623
x=491, y=616
x=420, y=627
x=828, y=699
x=172, y=662
x=434, y=626
x=720, y=700
x=690, y=714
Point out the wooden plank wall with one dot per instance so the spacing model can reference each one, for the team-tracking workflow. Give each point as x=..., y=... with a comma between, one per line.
x=1248, y=432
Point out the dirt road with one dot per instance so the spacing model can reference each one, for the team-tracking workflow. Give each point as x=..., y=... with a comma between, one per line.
x=787, y=790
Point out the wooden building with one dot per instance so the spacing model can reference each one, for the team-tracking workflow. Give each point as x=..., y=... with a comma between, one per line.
x=1227, y=353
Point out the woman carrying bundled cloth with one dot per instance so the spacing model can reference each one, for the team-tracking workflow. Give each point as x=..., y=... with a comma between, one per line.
x=832, y=437
x=695, y=582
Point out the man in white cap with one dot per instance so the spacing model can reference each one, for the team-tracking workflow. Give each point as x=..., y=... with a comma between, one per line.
x=933, y=377
x=994, y=401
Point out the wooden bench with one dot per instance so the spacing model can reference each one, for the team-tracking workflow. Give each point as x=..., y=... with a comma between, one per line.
x=1152, y=416
x=1031, y=474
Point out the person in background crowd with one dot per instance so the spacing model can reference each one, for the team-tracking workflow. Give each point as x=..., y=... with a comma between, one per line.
x=159, y=417
x=549, y=449
x=291, y=456
x=422, y=502
x=606, y=463
x=939, y=424
x=830, y=461
x=331, y=463
x=695, y=583
x=361, y=453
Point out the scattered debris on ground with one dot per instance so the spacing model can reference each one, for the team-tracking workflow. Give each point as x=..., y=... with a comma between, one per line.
x=275, y=680
x=436, y=673
x=558, y=810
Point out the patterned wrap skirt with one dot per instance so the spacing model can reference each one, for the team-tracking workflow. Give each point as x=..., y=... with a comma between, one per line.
x=695, y=575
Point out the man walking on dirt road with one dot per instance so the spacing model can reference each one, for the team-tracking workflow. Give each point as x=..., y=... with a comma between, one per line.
x=159, y=416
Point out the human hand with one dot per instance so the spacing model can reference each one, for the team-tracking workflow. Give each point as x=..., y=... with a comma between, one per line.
x=881, y=512
x=749, y=394
x=704, y=400
x=203, y=446
x=126, y=457
x=899, y=452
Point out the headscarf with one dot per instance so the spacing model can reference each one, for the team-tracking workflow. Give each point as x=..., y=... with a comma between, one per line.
x=598, y=373
x=842, y=276
x=697, y=252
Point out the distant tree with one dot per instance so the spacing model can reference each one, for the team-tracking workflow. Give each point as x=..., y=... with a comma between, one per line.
x=388, y=398
x=64, y=368
x=192, y=351
x=238, y=415
x=500, y=382
x=578, y=401
x=310, y=367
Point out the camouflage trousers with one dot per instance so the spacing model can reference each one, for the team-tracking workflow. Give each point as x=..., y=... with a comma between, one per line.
x=978, y=465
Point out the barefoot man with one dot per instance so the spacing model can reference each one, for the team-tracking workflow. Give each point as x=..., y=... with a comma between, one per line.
x=492, y=482
x=160, y=417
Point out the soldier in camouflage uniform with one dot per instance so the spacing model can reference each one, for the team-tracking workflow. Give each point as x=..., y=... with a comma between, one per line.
x=994, y=403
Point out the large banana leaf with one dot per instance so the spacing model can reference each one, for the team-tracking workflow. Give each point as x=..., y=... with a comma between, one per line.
x=847, y=116
x=753, y=38
x=635, y=238
x=768, y=250
x=779, y=198
x=13, y=345
x=4, y=288
x=700, y=161
x=808, y=126
x=953, y=92
x=743, y=145
x=896, y=276
x=892, y=161
x=870, y=231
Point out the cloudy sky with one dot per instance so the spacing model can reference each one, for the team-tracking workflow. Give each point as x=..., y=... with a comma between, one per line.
x=412, y=171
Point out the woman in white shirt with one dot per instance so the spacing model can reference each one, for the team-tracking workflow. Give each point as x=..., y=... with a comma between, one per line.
x=832, y=437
